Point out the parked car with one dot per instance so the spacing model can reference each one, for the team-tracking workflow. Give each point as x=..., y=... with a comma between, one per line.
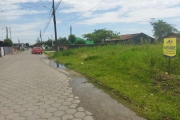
x=37, y=50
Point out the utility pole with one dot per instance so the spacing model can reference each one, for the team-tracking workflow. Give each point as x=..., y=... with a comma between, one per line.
x=54, y=18
x=2, y=33
x=70, y=30
x=19, y=43
x=10, y=33
x=52, y=39
x=6, y=32
x=41, y=38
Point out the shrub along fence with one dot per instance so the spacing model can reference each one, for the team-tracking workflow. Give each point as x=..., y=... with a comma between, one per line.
x=71, y=46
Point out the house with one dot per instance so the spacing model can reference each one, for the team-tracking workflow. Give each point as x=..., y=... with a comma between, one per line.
x=174, y=35
x=137, y=38
x=1, y=43
x=88, y=42
x=19, y=46
x=16, y=45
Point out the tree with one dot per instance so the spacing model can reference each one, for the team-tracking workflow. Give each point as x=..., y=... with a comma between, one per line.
x=27, y=44
x=48, y=42
x=38, y=42
x=7, y=42
x=72, y=38
x=62, y=41
x=161, y=29
x=101, y=35
x=88, y=36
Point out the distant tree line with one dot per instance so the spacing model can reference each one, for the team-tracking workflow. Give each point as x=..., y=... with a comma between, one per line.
x=160, y=30
x=100, y=35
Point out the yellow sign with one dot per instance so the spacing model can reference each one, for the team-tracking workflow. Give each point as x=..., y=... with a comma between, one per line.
x=170, y=47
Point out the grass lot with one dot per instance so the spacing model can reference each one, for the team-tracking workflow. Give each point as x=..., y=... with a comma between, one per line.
x=138, y=73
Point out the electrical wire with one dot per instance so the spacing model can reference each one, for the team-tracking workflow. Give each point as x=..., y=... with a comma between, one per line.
x=65, y=4
x=85, y=12
x=63, y=22
x=48, y=21
x=58, y=5
x=50, y=17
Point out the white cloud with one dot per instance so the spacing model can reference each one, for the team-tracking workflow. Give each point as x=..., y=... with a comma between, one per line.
x=26, y=22
x=10, y=10
x=114, y=11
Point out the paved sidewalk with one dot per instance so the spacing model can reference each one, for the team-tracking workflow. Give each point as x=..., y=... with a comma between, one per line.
x=32, y=90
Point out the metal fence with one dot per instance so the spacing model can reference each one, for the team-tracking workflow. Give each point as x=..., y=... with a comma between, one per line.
x=8, y=50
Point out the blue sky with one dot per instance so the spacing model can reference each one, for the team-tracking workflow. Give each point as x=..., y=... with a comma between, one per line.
x=27, y=17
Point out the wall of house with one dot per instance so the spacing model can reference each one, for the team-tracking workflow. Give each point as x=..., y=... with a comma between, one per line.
x=1, y=51
x=143, y=39
x=1, y=43
x=137, y=40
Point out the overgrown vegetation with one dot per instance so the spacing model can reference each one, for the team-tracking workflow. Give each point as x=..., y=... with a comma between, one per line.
x=139, y=73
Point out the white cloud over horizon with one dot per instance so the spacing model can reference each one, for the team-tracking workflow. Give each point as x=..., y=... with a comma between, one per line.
x=86, y=15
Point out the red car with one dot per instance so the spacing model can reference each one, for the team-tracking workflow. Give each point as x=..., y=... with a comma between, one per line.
x=37, y=50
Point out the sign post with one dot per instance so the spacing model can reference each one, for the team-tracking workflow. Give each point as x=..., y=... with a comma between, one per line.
x=169, y=50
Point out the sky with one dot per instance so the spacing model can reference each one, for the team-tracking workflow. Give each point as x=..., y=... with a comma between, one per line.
x=26, y=18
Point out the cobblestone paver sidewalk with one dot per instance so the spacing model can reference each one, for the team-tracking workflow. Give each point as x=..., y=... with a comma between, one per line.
x=32, y=90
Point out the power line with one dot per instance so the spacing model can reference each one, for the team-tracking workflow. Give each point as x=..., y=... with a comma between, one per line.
x=58, y=5
x=66, y=3
x=48, y=21
x=50, y=17
x=85, y=12
x=63, y=22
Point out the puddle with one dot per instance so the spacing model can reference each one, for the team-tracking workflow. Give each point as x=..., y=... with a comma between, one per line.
x=57, y=65
x=99, y=103
x=95, y=100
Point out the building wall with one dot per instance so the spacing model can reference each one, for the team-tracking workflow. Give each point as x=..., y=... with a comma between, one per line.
x=1, y=43
x=143, y=39
x=139, y=39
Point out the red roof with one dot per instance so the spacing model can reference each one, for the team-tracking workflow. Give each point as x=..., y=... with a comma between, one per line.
x=128, y=36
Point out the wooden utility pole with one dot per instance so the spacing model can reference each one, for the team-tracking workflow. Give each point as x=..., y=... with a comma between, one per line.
x=19, y=43
x=6, y=32
x=41, y=38
x=55, y=32
x=10, y=33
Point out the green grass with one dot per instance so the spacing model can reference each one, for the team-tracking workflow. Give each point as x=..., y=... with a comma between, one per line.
x=136, y=72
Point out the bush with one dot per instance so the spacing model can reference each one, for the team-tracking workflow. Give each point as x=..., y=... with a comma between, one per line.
x=8, y=42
